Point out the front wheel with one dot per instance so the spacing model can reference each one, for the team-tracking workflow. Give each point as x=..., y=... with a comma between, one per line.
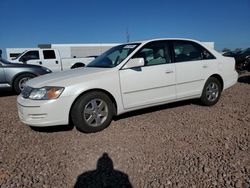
x=211, y=92
x=92, y=112
x=20, y=81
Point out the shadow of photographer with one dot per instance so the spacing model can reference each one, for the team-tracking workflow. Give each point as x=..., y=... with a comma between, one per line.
x=104, y=176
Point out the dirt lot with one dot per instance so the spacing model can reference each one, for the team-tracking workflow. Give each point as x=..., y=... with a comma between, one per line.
x=176, y=145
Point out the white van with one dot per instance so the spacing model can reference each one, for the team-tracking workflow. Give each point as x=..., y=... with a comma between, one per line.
x=51, y=58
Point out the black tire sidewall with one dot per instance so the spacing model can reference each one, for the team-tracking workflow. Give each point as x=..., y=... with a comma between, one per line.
x=204, y=99
x=17, y=80
x=78, y=110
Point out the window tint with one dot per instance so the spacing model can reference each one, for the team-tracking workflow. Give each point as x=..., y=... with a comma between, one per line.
x=31, y=55
x=186, y=51
x=190, y=51
x=154, y=53
x=49, y=54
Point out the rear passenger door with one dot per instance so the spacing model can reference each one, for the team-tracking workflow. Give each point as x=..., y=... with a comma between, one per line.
x=193, y=65
x=50, y=60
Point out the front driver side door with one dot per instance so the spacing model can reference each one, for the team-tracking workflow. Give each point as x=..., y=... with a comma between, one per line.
x=151, y=84
x=31, y=57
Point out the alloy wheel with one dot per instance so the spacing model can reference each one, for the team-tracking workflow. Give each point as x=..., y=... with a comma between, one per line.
x=22, y=82
x=95, y=112
x=212, y=91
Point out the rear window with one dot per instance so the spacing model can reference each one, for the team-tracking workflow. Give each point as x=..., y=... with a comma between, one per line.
x=49, y=54
x=190, y=51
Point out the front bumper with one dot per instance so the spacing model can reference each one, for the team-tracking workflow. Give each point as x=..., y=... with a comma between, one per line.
x=42, y=113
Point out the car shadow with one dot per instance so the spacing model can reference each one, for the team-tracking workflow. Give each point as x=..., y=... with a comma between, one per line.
x=244, y=79
x=63, y=128
x=7, y=93
x=53, y=129
x=103, y=176
x=156, y=108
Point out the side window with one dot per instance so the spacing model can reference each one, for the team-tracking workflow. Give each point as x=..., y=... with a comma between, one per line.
x=31, y=55
x=154, y=53
x=13, y=55
x=206, y=54
x=49, y=54
x=190, y=51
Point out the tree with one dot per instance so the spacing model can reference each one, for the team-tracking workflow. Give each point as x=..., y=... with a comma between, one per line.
x=238, y=49
x=226, y=50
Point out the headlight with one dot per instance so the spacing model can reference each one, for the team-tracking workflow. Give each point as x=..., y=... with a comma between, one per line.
x=46, y=69
x=45, y=93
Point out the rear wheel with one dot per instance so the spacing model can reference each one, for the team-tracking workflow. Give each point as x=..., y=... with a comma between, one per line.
x=20, y=81
x=92, y=112
x=211, y=92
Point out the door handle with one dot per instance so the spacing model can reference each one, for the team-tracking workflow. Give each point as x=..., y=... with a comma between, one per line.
x=169, y=71
x=40, y=62
x=56, y=62
x=204, y=66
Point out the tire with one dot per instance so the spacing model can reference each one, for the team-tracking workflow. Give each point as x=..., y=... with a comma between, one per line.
x=211, y=92
x=20, y=80
x=248, y=64
x=92, y=112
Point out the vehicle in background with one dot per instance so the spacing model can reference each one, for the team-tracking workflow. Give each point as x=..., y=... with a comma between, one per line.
x=242, y=59
x=79, y=50
x=12, y=53
x=50, y=58
x=66, y=56
x=127, y=77
x=14, y=76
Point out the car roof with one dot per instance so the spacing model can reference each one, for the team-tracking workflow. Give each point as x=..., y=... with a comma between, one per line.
x=159, y=39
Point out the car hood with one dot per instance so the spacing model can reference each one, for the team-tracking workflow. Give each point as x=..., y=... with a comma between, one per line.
x=66, y=78
x=9, y=64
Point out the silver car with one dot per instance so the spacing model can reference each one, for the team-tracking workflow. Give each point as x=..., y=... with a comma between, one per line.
x=13, y=75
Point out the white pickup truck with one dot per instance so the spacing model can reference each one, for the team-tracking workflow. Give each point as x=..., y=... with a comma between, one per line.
x=51, y=59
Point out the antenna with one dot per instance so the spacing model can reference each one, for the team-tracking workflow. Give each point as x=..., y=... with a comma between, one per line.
x=127, y=35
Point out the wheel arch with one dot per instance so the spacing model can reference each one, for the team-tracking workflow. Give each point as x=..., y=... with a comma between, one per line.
x=217, y=76
x=92, y=90
x=19, y=74
x=77, y=65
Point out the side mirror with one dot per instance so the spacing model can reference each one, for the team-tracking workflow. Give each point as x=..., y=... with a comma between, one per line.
x=135, y=62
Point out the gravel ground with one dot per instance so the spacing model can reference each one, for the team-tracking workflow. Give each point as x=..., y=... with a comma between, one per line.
x=176, y=145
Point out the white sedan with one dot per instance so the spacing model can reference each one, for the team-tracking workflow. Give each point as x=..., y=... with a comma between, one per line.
x=125, y=78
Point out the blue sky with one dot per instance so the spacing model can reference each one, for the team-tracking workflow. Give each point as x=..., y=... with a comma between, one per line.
x=26, y=23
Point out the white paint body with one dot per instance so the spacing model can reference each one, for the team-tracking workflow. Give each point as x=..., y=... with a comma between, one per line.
x=131, y=89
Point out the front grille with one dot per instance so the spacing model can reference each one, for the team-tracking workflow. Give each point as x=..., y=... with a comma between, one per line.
x=26, y=92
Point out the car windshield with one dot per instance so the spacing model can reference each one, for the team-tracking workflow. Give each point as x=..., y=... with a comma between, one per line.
x=113, y=56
